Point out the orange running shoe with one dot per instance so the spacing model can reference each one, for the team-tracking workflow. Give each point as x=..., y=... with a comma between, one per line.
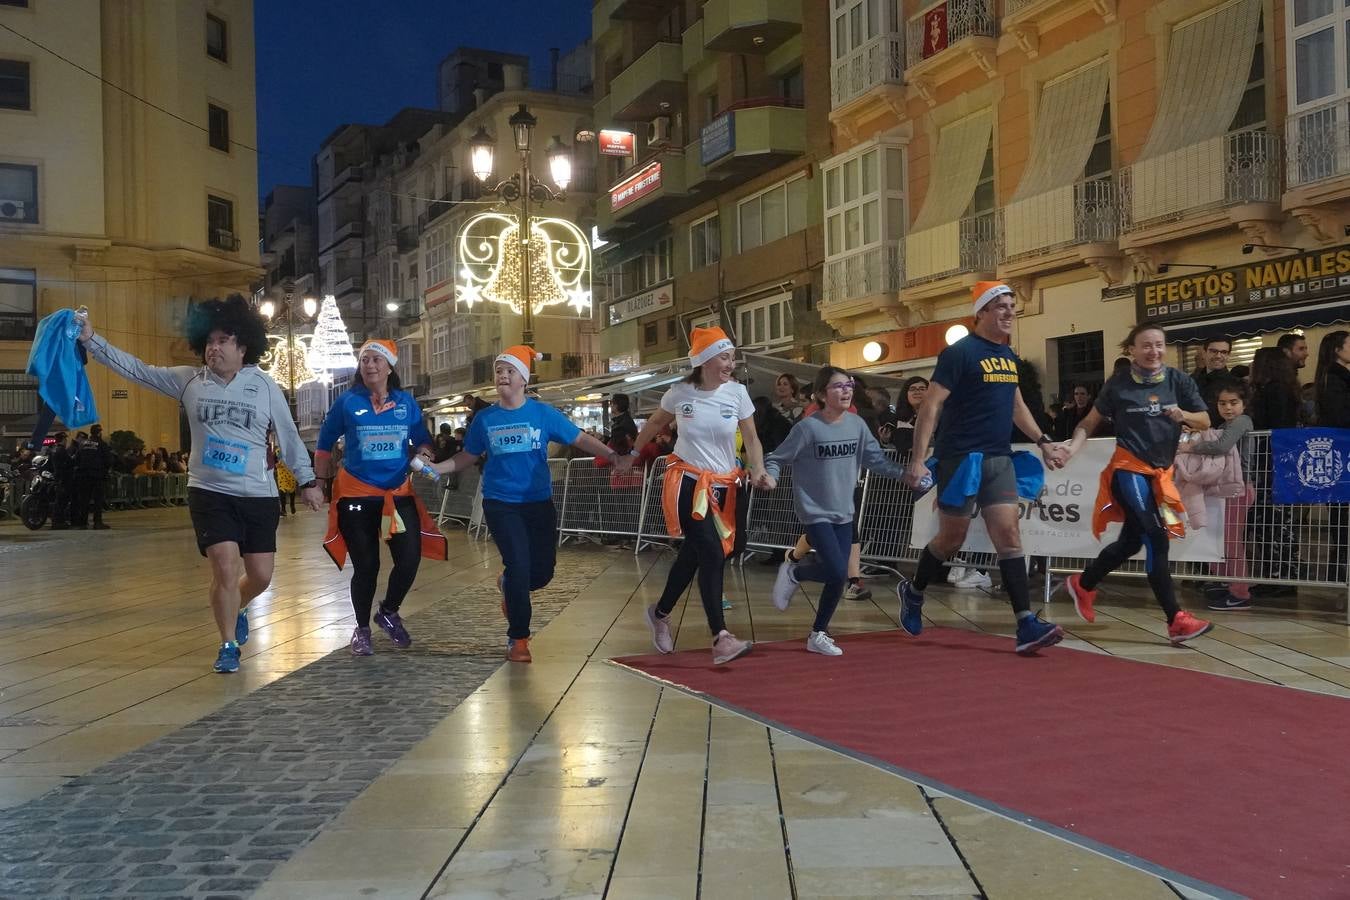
x=1082, y=597
x=518, y=650
x=1186, y=626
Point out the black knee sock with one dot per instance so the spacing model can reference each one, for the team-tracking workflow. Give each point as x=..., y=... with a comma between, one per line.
x=929, y=565
x=1014, y=573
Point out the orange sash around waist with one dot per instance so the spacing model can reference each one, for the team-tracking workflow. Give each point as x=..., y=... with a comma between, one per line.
x=1165, y=494
x=724, y=516
x=434, y=545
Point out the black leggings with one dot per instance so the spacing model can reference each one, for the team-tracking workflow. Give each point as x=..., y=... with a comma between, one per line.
x=701, y=554
x=359, y=522
x=1143, y=528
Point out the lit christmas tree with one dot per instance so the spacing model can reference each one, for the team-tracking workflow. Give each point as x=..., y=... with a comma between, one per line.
x=330, y=349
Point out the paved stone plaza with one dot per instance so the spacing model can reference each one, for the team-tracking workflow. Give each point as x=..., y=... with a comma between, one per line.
x=127, y=769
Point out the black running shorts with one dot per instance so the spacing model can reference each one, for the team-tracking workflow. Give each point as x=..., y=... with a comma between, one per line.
x=250, y=522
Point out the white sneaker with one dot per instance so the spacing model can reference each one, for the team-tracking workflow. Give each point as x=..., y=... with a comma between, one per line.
x=661, y=638
x=973, y=578
x=820, y=642
x=784, y=585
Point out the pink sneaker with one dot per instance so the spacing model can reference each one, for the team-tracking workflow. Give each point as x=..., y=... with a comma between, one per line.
x=660, y=627
x=1083, y=599
x=728, y=647
x=1186, y=626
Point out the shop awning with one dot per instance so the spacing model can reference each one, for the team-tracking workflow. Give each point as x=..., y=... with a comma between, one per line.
x=644, y=386
x=1207, y=65
x=961, y=149
x=1066, y=128
x=1261, y=323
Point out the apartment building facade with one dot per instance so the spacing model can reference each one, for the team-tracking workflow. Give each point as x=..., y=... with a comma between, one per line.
x=1183, y=162
x=108, y=202
x=714, y=216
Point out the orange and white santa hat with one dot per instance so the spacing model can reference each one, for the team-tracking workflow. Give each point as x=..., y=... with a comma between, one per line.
x=520, y=358
x=984, y=293
x=705, y=343
x=387, y=349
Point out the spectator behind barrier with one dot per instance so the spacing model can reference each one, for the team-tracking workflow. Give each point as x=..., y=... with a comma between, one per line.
x=1227, y=442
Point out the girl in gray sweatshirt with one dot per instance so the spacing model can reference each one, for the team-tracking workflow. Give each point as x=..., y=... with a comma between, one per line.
x=827, y=452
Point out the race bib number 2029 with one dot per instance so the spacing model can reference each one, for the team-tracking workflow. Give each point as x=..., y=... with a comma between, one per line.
x=225, y=455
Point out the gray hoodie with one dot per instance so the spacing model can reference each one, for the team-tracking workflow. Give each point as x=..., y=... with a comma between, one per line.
x=229, y=422
x=826, y=461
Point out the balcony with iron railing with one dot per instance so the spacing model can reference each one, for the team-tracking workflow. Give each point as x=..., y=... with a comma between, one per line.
x=964, y=247
x=863, y=274
x=1194, y=188
x=878, y=65
x=949, y=38
x=1317, y=147
x=348, y=277
x=1036, y=229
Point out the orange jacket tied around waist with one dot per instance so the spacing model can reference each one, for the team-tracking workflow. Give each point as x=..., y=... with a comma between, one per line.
x=434, y=545
x=1165, y=494
x=724, y=516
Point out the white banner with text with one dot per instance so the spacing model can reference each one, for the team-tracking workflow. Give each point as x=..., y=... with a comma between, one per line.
x=1059, y=522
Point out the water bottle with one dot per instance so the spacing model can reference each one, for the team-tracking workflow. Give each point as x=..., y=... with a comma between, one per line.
x=419, y=465
x=77, y=322
x=925, y=483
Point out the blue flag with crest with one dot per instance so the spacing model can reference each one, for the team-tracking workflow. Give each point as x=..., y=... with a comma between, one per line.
x=1311, y=465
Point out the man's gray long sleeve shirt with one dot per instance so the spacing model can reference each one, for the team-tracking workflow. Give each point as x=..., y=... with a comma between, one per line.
x=229, y=422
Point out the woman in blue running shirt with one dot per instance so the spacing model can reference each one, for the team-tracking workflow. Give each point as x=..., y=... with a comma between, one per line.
x=517, y=490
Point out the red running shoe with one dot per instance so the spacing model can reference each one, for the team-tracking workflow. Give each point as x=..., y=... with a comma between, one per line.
x=1186, y=626
x=1082, y=598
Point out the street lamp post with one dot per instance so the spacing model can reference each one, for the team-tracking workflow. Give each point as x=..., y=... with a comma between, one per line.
x=309, y=306
x=524, y=187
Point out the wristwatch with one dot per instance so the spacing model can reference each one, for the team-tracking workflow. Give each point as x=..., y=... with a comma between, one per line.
x=309, y=484
x=1043, y=440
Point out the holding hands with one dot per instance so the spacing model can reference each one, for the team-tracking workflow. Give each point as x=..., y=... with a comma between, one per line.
x=765, y=482
x=1056, y=456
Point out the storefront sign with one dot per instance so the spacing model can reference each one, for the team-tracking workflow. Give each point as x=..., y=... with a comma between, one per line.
x=616, y=143
x=660, y=297
x=718, y=138
x=636, y=186
x=1059, y=522
x=1268, y=284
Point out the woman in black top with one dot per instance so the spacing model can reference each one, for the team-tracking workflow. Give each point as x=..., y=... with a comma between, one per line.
x=1332, y=390
x=1332, y=381
x=1274, y=390
x=1275, y=404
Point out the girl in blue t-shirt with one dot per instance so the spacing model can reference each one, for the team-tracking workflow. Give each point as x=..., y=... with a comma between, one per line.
x=515, y=433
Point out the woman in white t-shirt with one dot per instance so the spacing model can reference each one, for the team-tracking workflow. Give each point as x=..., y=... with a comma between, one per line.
x=702, y=483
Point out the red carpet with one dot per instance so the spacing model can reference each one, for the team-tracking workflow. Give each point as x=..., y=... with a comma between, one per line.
x=1238, y=785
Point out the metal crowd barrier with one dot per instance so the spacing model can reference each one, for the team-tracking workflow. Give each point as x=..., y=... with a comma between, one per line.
x=1284, y=545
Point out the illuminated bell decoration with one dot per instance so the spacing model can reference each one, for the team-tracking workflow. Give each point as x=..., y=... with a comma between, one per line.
x=276, y=362
x=491, y=256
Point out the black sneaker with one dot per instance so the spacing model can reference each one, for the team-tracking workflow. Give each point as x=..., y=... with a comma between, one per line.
x=1227, y=602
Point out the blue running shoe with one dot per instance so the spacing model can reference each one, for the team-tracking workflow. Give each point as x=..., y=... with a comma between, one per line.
x=228, y=659
x=241, y=628
x=1033, y=633
x=911, y=607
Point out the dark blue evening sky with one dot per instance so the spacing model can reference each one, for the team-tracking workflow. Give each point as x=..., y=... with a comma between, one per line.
x=323, y=64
